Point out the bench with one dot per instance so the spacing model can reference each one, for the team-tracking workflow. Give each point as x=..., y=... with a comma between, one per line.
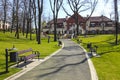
x=26, y=58
x=79, y=41
x=59, y=43
x=92, y=49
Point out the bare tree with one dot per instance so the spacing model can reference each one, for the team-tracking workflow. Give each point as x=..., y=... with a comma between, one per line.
x=31, y=17
x=28, y=19
x=34, y=7
x=116, y=20
x=5, y=13
x=24, y=16
x=13, y=16
x=40, y=10
x=17, y=22
x=78, y=6
x=55, y=7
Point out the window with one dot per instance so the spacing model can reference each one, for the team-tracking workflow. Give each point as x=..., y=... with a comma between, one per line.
x=109, y=24
x=92, y=24
x=103, y=24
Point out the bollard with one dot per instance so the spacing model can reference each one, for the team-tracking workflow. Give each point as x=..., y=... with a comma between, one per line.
x=48, y=39
x=6, y=55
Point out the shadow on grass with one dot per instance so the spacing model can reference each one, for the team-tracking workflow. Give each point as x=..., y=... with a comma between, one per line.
x=102, y=53
x=4, y=72
x=15, y=66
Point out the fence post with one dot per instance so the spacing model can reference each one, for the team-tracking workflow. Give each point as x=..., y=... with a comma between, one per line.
x=6, y=55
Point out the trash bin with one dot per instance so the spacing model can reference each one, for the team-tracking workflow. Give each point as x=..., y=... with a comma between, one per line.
x=13, y=56
x=89, y=45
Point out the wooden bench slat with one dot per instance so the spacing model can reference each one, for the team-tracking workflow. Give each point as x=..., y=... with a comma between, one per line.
x=24, y=51
x=30, y=56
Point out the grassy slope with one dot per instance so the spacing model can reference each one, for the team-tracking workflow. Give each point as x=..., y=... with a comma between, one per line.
x=108, y=65
x=7, y=40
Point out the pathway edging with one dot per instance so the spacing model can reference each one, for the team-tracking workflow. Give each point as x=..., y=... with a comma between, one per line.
x=91, y=66
x=29, y=67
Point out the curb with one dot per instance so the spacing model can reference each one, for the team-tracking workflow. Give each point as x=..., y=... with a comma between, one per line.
x=91, y=66
x=20, y=73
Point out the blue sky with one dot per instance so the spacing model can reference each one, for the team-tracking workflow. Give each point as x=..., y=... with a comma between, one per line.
x=101, y=9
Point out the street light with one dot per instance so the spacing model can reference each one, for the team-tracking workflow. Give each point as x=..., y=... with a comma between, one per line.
x=103, y=25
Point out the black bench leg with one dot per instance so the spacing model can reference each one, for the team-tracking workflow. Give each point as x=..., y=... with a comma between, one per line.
x=38, y=57
x=91, y=52
x=25, y=64
x=18, y=64
x=25, y=61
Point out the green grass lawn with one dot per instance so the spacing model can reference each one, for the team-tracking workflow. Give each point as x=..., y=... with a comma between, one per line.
x=7, y=40
x=108, y=65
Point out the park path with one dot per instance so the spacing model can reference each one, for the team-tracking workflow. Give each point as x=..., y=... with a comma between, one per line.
x=68, y=64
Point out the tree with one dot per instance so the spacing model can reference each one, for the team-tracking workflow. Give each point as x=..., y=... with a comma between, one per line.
x=34, y=15
x=28, y=17
x=30, y=22
x=17, y=22
x=5, y=13
x=4, y=5
x=13, y=16
x=116, y=20
x=40, y=10
x=55, y=7
x=78, y=6
x=24, y=16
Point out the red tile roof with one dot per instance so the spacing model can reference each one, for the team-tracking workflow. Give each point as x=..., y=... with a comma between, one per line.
x=59, y=20
x=99, y=19
x=82, y=19
x=72, y=18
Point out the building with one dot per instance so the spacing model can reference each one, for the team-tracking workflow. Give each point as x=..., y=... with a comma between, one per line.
x=7, y=25
x=99, y=24
x=93, y=25
x=71, y=24
x=60, y=26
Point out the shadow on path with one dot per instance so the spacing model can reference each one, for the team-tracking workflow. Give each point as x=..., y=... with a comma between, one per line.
x=61, y=67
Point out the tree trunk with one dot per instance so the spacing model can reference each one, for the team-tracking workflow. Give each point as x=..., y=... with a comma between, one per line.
x=55, y=9
x=30, y=20
x=17, y=25
x=116, y=20
x=27, y=30
x=40, y=9
x=34, y=13
x=55, y=30
x=13, y=16
x=4, y=21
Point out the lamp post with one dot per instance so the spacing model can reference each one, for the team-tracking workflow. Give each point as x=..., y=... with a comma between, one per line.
x=103, y=25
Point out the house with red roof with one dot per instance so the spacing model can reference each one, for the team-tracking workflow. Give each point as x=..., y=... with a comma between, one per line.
x=93, y=25
x=99, y=24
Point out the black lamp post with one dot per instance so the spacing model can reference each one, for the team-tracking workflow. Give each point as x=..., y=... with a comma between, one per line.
x=103, y=25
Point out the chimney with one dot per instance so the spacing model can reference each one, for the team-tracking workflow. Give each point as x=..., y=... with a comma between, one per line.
x=87, y=15
x=66, y=17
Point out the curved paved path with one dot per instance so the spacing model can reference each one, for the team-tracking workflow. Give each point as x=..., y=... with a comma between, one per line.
x=68, y=64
